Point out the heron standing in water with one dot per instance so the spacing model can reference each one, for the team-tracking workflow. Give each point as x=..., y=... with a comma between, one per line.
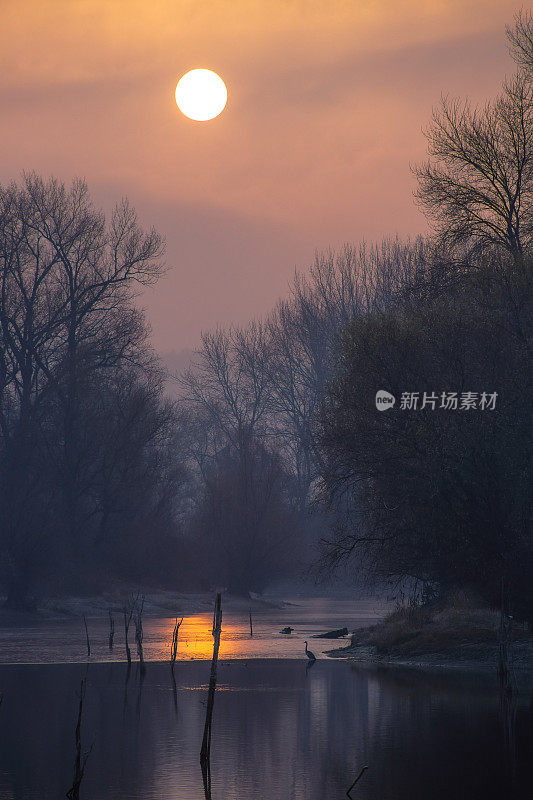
x=311, y=656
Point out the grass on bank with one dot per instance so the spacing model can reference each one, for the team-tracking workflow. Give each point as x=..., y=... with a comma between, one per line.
x=416, y=631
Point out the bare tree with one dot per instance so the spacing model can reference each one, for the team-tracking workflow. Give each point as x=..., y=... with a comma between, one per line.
x=252, y=402
x=229, y=384
x=97, y=266
x=521, y=40
x=477, y=186
x=245, y=517
x=29, y=343
x=67, y=325
x=421, y=492
x=304, y=333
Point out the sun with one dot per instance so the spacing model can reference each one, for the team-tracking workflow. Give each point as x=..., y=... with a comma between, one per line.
x=201, y=94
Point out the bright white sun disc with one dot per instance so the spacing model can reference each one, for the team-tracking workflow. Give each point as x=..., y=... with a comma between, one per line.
x=201, y=94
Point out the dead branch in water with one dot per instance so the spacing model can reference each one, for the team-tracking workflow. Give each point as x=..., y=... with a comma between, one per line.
x=174, y=645
x=127, y=621
x=80, y=761
x=128, y=611
x=205, y=753
x=139, y=635
x=356, y=780
x=111, y=630
x=87, y=637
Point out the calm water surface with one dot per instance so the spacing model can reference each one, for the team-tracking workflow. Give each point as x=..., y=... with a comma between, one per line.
x=280, y=732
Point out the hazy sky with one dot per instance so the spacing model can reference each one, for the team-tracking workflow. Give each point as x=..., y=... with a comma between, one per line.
x=327, y=100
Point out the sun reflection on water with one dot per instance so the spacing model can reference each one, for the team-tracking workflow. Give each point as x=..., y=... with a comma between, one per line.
x=195, y=639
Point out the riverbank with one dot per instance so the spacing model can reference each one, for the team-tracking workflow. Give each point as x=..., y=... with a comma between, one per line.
x=162, y=604
x=458, y=636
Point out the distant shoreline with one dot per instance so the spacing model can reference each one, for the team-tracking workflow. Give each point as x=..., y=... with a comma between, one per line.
x=157, y=604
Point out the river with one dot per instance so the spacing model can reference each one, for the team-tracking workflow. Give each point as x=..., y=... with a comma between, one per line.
x=281, y=730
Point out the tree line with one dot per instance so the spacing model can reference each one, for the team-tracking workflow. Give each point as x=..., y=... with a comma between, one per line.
x=436, y=495
x=88, y=485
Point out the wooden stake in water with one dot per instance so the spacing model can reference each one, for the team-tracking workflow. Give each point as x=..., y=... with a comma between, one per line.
x=111, y=630
x=251, y=626
x=87, y=637
x=205, y=752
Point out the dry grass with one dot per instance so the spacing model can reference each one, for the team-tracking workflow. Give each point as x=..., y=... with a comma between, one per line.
x=423, y=629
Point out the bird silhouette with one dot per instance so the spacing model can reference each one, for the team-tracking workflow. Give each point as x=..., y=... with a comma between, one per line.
x=311, y=656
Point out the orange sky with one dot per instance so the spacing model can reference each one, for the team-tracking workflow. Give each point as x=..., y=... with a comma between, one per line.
x=327, y=99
